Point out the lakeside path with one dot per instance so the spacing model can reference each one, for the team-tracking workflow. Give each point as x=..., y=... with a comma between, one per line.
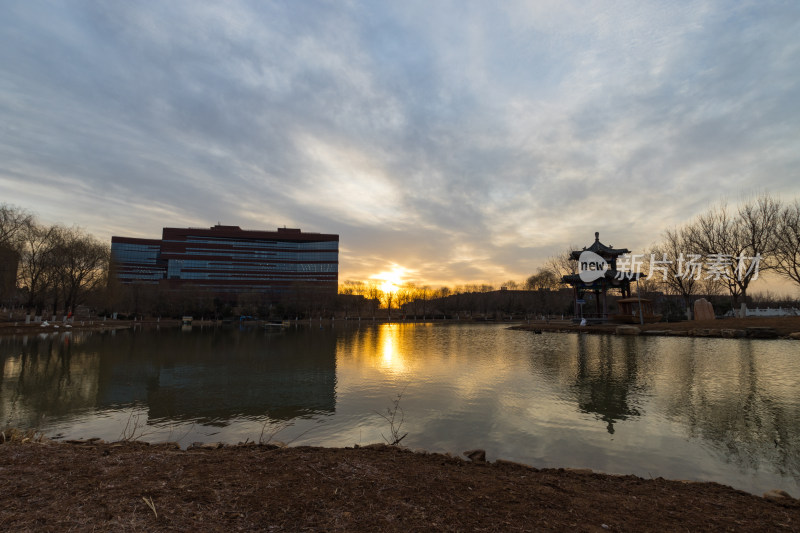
x=777, y=327
x=137, y=487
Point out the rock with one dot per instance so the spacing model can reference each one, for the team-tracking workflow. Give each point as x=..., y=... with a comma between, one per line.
x=628, y=330
x=795, y=335
x=703, y=310
x=678, y=333
x=205, y=446
x=476, y=456
x=168, y=445
x=732, y=333
x=761, y=333
x=511, y=463
x=580, y=470
x=777, y=494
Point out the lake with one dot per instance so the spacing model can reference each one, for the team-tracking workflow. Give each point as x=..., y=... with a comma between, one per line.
x=725, y=410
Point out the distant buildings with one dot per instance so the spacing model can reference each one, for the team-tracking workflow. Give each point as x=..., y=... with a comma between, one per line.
x=228, y=259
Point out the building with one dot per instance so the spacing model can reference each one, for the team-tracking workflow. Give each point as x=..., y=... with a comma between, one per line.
x=228, y=259
x=137, y=260
x=9, y=263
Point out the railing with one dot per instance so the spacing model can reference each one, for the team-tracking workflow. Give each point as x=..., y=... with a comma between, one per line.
x=767, y=312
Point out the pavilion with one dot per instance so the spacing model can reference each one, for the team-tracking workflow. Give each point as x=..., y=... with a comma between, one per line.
x=606, y=278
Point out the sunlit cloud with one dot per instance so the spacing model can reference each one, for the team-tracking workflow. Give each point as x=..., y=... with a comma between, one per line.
x=346, y=183
x=464, y=142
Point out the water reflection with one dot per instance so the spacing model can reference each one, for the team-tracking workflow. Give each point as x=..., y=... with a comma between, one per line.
x=605, y=383
x=719, y=409
x=45, y=377
x=210, y=377
x=601, y=372
x=737, y=399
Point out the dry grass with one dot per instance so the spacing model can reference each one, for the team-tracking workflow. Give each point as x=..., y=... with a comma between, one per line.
x=21, y=436
x=132, y=486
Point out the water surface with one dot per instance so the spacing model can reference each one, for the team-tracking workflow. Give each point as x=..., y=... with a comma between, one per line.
x=724, y=410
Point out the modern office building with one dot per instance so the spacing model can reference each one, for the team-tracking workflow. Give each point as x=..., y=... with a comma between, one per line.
x=228, y=259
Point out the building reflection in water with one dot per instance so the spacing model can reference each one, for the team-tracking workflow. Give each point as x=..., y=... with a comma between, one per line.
x=209, y=377
x=44, y=376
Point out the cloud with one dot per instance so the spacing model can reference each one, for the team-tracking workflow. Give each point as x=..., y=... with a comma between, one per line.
x=461, y=141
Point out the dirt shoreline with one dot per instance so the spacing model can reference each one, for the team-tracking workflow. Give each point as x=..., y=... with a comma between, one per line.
x=736, y=328
x=138, y=487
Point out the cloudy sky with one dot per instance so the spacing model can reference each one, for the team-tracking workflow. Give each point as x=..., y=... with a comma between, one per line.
x=454, y=141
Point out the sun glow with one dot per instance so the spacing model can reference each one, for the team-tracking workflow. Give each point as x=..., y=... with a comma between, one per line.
x=390, y=282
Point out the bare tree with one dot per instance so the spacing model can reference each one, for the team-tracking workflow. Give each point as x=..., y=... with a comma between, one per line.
x=424, y=294
x=787, y=251
x=736, y=247
x=81, y=264
x=562, y=263
x=13, y=223
x=374, y=294
x=404, y=295
x=544, y=278
x=671, y=259
x=36, y=264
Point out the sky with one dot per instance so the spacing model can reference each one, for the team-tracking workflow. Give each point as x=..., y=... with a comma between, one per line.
x=447, y=142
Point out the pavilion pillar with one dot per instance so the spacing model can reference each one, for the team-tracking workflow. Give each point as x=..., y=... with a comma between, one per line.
x=575, y=300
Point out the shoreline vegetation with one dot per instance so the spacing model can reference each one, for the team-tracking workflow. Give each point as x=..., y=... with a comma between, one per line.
x=737, y=328
x=135, y=486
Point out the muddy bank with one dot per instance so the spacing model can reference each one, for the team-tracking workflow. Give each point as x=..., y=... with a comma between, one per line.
x=738, y=328
x=136, y=487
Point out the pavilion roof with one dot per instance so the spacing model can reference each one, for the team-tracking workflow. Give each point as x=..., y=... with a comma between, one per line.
x=609, y=276
x=600, y=249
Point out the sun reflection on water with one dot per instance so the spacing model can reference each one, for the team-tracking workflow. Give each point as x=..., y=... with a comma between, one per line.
x=391, y=357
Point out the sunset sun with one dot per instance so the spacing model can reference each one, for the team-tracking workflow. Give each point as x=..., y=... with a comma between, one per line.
x=391, y=280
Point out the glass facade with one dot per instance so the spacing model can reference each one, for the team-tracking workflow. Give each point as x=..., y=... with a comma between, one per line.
x=229, y=259
x=137, y=261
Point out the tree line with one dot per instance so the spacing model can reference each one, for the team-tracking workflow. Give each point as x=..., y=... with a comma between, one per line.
x=52, y=267
x=732, y=247
x=58, y=268
x=720, y=251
